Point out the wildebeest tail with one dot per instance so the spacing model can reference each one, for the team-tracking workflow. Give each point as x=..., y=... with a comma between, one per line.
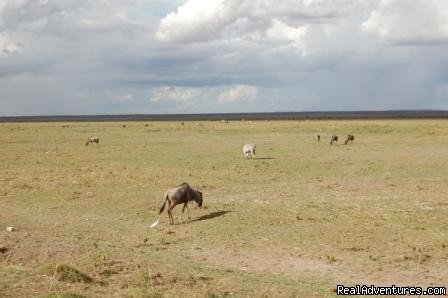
x=164, y=203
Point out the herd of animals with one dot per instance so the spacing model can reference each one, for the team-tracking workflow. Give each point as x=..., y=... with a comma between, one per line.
x=334, y=139
x=184, y=193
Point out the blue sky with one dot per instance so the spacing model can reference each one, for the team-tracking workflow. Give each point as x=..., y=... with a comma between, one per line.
x=202, y=56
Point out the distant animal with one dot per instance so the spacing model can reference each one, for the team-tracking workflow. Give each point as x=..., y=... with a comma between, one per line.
x=249, y=150
x=92, y=140
x=350, y=138
x=318, y=138
x=333, y=139
x=181, y=194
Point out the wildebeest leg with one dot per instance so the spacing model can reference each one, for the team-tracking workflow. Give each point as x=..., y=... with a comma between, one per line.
x=182, y=214
x=170, y=215
x=188, y=210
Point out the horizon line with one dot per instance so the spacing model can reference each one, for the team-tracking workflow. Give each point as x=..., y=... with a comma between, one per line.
x=225, y=113
x=278, y=115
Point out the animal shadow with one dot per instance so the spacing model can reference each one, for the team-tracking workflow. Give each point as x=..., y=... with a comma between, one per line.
x=210, y=215
x=263, y=158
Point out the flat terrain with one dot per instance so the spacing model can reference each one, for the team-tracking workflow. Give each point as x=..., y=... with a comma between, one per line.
x=296, y=221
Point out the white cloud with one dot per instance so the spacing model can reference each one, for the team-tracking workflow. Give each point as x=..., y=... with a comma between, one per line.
x=238, y=93
x=283, y=31
x=7, y=46
x=409, y=21
x=196, y=20
x=175, y=94
x=204, y=20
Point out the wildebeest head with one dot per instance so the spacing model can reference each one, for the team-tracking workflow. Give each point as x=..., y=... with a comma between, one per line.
x=198, y=198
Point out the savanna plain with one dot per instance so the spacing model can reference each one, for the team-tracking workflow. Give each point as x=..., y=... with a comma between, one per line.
x=299, y=219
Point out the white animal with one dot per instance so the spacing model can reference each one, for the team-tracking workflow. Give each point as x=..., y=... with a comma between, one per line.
x=249, y=150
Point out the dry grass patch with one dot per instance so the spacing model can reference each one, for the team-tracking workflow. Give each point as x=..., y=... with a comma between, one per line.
x=297, y=220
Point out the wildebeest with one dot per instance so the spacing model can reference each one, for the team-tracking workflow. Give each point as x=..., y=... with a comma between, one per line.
x=92, y=140
x=318, y=138
x=350, y=138
x=249, y=150
x=181, y=194
x=333, y=139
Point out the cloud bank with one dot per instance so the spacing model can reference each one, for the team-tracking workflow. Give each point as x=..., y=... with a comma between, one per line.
x=158, y=56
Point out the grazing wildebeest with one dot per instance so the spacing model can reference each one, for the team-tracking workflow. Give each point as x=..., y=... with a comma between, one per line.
x=181, y=194
x=92, y=140
x=333, y=139
x=350, y=138
x=318, y=138
x=249, y=150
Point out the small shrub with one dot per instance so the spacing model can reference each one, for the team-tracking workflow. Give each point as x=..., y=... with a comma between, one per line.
x=68, y=273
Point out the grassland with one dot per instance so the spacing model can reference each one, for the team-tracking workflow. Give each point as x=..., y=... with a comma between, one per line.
x=298, y=220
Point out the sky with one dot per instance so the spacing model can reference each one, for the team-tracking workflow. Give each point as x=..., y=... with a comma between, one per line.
x=62, y=57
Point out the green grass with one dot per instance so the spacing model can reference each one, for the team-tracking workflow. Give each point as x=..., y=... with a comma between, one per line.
x=298, y=220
